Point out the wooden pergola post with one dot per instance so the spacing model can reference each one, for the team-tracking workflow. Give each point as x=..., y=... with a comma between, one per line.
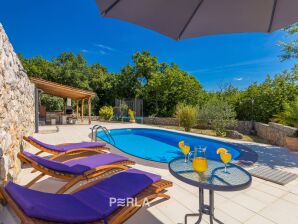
x=82, y=110
x=89, y=109
x=77, y=109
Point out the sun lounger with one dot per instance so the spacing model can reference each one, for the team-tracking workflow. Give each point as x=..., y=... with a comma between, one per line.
x=67, y=147
x=75, y=170
x=91, y=204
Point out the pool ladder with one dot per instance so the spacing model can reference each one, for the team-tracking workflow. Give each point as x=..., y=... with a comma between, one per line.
x=97, y=128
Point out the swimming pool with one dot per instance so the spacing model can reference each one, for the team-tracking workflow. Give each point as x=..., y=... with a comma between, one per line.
x=161, y=145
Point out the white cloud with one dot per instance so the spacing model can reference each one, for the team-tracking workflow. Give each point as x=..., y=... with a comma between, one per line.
x=238, y=78
x=85, y=51
x=102, y=52
x=105, y=47
x=238, y=65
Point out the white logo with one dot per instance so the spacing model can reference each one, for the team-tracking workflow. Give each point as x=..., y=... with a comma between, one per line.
x=122, y=202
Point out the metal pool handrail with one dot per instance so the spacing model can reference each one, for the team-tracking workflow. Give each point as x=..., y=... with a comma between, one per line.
x=105, y=130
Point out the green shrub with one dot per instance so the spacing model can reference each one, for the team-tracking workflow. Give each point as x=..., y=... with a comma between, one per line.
x=106, y=113
x=52, y=103
x=219, y=113
x=187, y=115
x=131, y=115
x=289, y=116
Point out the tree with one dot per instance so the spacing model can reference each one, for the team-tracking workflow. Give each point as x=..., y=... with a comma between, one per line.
x=289, y=115
x=290, y=49
x=219, y=113
x=52, y=103
x=260, y=102
x=72, y=70
x=145, y=65
x=165, y=90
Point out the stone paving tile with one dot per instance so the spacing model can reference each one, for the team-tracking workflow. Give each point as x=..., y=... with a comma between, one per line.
x=249, y=202
x=174, y=210
x=184, y=197
x=281, y=211
x=257, y=219
x=223, y=216
x=261, y=196
x=271, y=190
x=149, y=216
x=236, y=211
x=291, y=198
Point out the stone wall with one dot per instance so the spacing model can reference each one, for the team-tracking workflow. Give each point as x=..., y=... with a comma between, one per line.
x=16, y=107
x=275, y=133
x=167, y=121
x=244, y=127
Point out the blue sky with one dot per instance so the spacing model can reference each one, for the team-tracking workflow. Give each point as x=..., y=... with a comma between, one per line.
x=48, y=28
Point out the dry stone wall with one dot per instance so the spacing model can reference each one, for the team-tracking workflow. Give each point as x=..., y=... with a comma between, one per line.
x=275, y=133
x=16, y=108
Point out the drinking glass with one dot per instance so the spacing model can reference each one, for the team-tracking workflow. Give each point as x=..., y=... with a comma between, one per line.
x=225, y=158
x=185, y=149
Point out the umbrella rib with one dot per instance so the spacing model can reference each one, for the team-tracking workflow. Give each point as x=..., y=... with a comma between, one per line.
x=272, y=16
x=190, y=19
x=105, y=12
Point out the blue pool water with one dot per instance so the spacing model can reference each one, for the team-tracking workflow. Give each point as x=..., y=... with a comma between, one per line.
x=162, y=146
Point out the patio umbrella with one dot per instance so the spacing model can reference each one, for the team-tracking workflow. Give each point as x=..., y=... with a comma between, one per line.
x=180, y=19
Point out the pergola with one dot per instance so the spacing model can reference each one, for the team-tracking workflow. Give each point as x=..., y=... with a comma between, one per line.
x=63, y=91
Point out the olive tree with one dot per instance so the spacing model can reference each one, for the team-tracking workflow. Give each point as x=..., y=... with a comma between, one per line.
x=219, y=113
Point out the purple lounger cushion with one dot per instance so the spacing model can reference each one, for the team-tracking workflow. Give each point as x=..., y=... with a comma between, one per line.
x=51, y=207
x=78, y=166
x=88, y=205
x=64, y=148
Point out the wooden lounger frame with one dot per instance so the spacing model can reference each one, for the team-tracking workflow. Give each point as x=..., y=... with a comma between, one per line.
x=72, y=179
x=69, y=152
x=154, y=191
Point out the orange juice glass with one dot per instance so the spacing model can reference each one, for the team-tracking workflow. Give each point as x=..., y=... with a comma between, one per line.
x=225, y=158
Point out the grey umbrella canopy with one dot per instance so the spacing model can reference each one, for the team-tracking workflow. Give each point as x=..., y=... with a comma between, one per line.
x=180, y=19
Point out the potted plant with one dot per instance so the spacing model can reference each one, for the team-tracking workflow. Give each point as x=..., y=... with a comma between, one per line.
x=289, y=116
x=131, y=115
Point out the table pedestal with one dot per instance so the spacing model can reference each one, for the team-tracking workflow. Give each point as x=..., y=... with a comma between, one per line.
x=204, y=209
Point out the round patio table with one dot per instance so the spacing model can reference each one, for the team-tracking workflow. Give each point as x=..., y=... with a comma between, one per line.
x=214, y=179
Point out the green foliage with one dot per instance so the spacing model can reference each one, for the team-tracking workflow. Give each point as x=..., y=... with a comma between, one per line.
x=187, y=115
x=289, y=115
x=219, y=113
x=161, y=85
x=106, y=113
x=290, y=48
x=261, y=101
x=131, y=115
x=52, y=103
x=165, y=90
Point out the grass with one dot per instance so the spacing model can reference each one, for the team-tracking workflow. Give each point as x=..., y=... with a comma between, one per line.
x=208, y=132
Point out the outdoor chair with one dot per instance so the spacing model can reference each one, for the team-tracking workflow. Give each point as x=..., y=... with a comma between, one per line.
x=90, y=203
x=75, y=169
x=67, y=148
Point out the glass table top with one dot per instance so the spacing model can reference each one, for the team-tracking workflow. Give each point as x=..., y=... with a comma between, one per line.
x=214, y=178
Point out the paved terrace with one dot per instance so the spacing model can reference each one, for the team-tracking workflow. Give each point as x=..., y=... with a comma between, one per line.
x=263, y=203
